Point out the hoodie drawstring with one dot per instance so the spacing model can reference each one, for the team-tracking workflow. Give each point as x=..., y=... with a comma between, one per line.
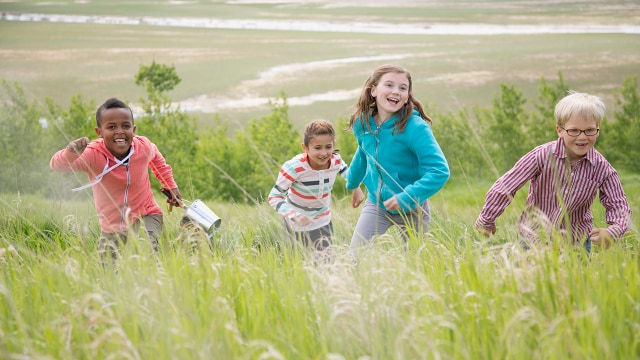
x=105, y=171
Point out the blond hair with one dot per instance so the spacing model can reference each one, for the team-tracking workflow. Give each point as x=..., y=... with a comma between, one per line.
x=584, y=105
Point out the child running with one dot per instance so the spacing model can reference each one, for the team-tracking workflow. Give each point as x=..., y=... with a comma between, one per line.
x=117, y=165
x=302, y=192
x=398, y=158
x=566, y=175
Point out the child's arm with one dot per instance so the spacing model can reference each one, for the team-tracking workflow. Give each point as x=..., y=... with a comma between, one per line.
x=617, y=212
x=357, y=196
x=65, y=159
x=278, y=194
x=504, y=189
x=432, y=167
x=162, y=171
x=357, y=170
x=277, y=200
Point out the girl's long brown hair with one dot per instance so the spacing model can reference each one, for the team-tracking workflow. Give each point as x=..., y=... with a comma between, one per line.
x=366, y=105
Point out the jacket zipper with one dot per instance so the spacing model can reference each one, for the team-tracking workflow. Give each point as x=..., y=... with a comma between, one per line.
x=123, y=211
x=375, y=157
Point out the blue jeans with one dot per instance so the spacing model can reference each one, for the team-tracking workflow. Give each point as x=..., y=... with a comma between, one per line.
x=587, y=244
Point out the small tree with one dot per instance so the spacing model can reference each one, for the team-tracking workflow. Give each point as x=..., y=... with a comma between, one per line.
x=269, y=141
x=171, y=129
x=64, y=126
x=220, y=165
x=244, y=167
x=23, y=142
x=76, y=122
x=620, y=137
x=157, y=79
x=541, y=127
x=461, y=140
x=506, y=126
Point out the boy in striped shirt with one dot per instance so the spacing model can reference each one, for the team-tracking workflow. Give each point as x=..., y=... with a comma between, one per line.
x=565, y=174
x=302, y=193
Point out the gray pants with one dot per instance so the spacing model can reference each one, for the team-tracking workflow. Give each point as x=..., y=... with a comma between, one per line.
x=375, y=221
x=110, y=243
x=318, y=239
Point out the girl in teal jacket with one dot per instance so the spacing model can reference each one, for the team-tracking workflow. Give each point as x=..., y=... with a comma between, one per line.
x=398, y=159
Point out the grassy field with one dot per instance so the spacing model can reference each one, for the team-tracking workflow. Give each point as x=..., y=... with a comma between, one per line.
x=221, y=67
x=244, y=295
x=450, y=295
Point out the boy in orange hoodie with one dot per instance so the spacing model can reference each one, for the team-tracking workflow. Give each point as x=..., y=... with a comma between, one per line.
x=117, y=165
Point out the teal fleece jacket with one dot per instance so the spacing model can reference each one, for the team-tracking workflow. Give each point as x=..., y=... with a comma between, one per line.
x=408, y=165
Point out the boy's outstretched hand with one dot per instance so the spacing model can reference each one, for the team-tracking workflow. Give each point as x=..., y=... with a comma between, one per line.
x=77, y=146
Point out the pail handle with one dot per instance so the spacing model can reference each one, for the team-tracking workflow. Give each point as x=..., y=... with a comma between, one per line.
x=168, y=194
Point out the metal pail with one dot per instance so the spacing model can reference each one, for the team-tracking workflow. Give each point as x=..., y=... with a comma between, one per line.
x=203, y=216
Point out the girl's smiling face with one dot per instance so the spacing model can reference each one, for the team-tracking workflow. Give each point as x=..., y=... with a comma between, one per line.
x=117, y=129
x=319, y=151
x=391, y=93
x=577, y=146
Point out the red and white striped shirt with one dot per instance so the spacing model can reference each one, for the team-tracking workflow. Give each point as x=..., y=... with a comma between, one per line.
x=559, y=194
x=301, y=190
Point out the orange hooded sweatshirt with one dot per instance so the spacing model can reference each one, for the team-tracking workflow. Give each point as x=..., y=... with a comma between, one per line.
x=123, y=195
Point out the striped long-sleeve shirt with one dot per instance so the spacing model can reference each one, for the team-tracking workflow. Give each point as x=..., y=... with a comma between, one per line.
x=300, y=190
x=560, y=195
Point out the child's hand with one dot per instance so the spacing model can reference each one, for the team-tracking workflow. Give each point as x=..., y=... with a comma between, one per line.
x=392, y=204
x=301, y=220
x=175, y=199
x=486, y=231
x=77, y=146
x=357, y=197
x=600, y=237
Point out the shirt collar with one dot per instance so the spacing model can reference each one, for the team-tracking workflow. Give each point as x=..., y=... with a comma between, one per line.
x=561, y=153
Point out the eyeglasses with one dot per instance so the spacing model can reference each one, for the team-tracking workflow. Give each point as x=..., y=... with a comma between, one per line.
x=577, y=132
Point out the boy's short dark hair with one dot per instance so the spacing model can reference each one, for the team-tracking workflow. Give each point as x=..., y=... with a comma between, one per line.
x=112, y=103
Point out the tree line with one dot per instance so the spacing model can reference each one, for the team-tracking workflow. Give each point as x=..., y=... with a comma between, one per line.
x=212, y=163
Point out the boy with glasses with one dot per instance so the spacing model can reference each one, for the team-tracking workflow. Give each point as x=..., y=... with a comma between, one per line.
x=565, y=174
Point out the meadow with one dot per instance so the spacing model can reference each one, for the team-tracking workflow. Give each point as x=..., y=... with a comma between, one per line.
x=225, y=71
x=244, y=294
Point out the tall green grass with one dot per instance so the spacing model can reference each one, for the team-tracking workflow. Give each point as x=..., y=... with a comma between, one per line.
x=245, y=294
